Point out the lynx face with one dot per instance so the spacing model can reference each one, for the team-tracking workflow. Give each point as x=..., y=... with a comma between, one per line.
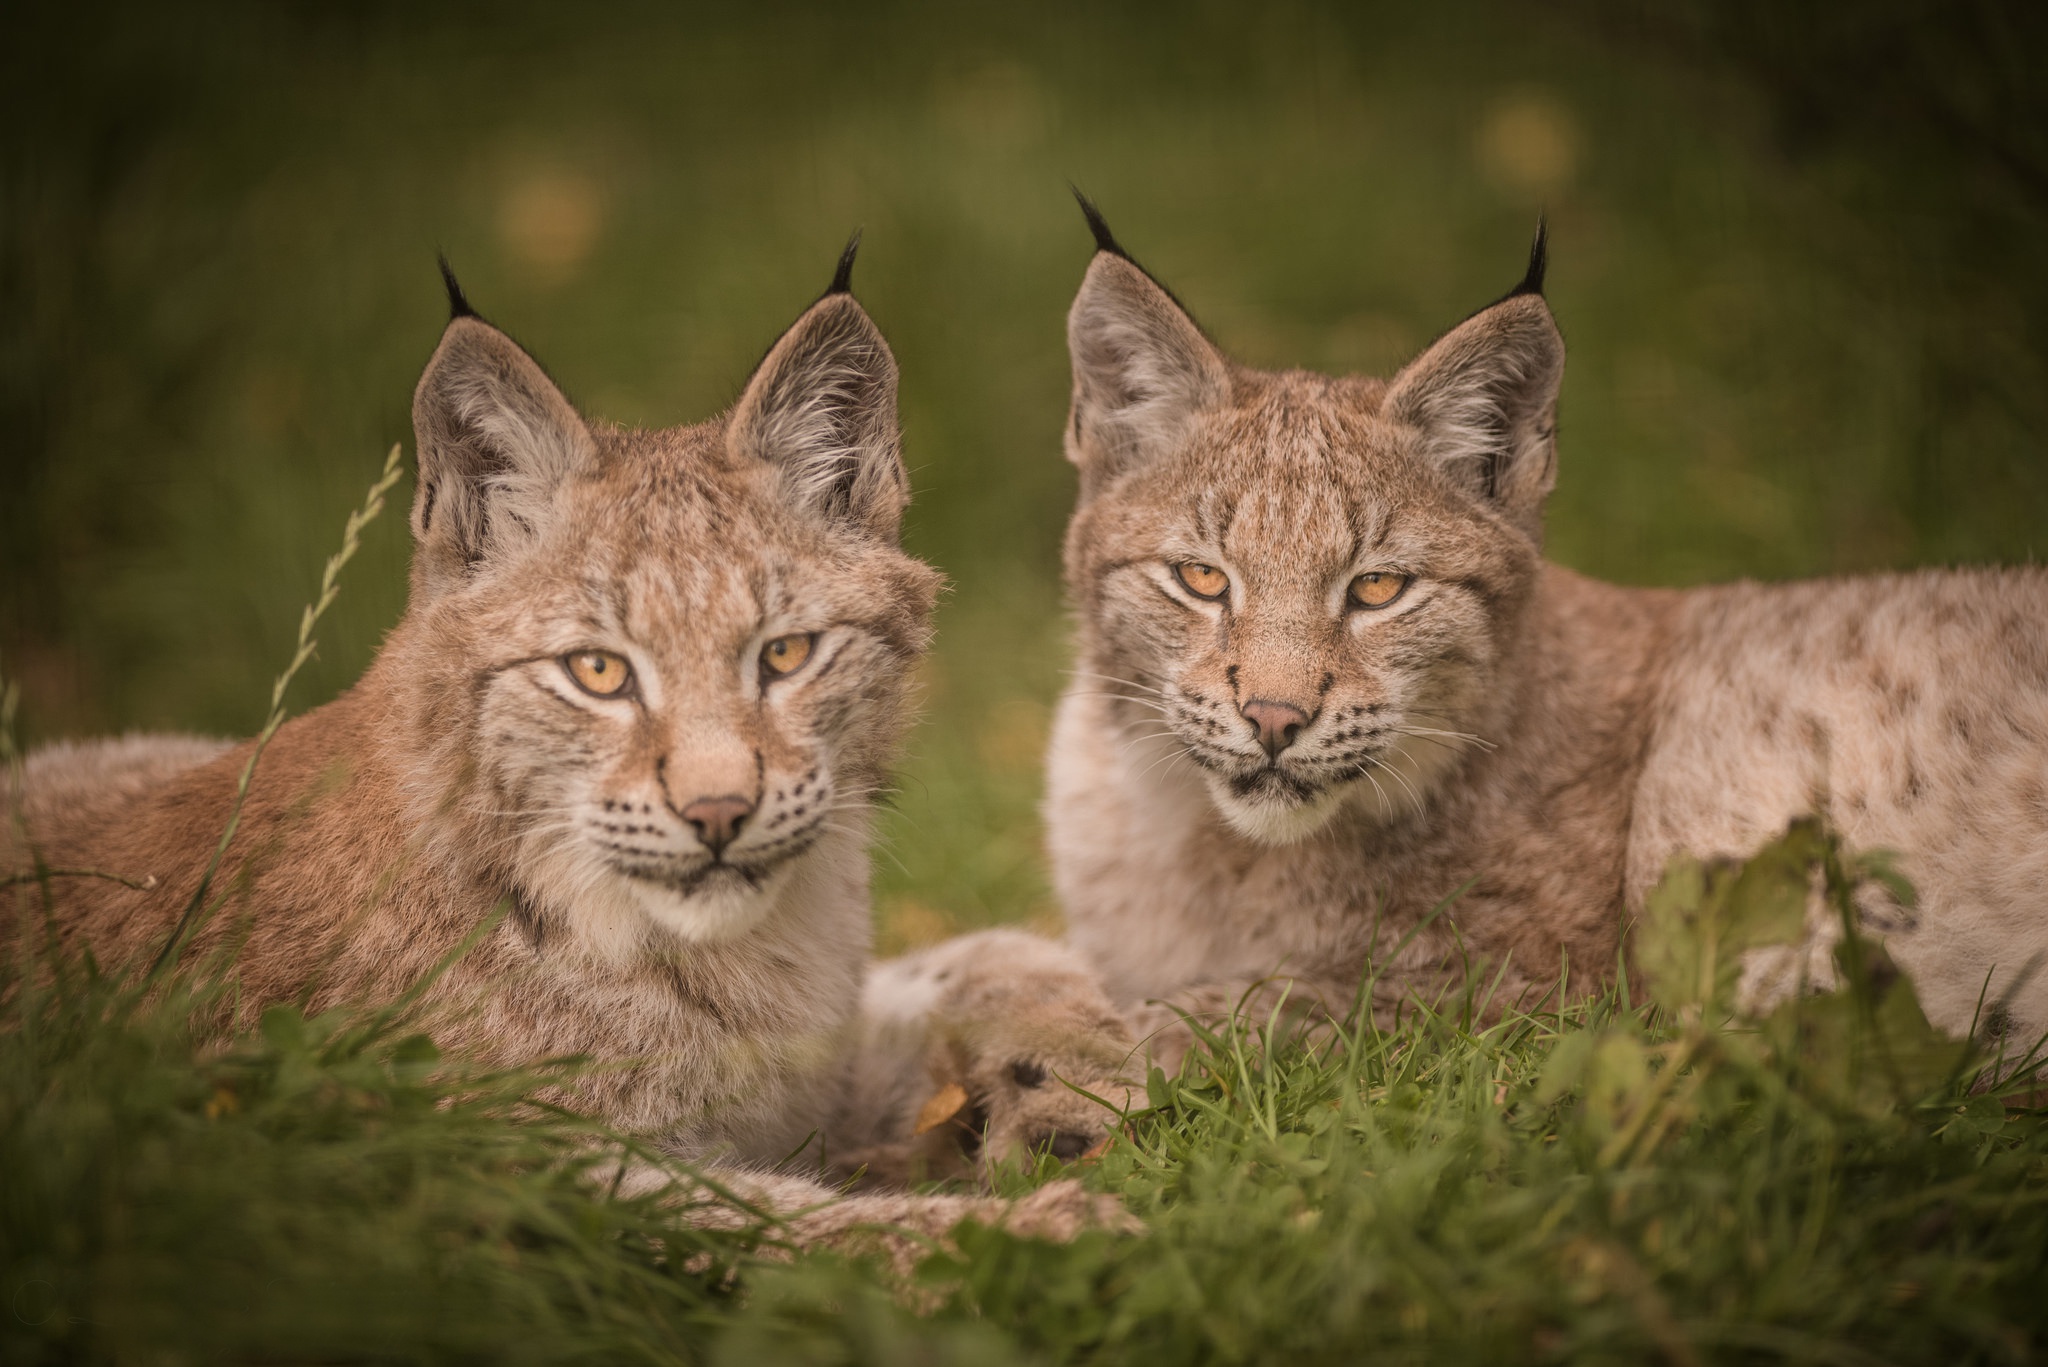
x=682, y=654
x=1299, y=585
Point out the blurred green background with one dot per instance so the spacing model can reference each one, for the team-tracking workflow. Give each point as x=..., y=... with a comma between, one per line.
x=1797, y=253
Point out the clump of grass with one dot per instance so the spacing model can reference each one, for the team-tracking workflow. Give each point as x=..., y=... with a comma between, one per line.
x=323, y=1188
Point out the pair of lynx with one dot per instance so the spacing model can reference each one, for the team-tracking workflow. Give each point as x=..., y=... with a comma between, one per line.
x=648, y=683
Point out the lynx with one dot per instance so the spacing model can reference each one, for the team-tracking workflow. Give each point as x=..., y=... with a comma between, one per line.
x=1327, y=680
x=645, y=687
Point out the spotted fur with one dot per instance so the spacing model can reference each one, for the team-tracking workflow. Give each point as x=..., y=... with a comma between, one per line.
x=468, y=769
x=1539, y=740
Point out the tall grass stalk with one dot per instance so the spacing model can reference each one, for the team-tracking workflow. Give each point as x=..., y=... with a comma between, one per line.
x=330, y=588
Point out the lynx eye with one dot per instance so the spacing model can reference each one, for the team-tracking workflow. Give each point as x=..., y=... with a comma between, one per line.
x=1377, y=588
x=786, y=654
x=1203, y=581
x=599, y=672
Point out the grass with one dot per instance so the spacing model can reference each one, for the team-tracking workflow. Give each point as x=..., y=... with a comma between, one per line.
x=1627, y=1179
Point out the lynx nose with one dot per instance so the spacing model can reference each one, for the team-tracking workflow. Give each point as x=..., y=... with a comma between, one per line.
x=1278, y=723
x=718, y=819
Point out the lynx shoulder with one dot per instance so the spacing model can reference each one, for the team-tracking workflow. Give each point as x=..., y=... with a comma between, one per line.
x=1326, y=679
x=644, y=687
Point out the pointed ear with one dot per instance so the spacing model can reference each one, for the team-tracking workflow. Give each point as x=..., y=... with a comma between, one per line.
x=1142, y=370
x=1483, y=400
x=496, y=439
x=822, y=406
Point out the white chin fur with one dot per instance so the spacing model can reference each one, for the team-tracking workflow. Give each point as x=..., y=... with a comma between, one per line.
x=1274, y=820
x=722, y=910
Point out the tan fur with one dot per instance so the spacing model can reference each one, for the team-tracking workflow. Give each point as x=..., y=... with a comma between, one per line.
x=467, y=769
x=1018, y=1025
x=1549, y=740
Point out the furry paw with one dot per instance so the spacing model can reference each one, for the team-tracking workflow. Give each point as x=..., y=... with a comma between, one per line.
x=987, y=1049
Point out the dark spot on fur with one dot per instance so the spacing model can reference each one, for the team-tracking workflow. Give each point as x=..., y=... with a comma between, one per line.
x=970, y=1126
x=527, y=919
x=1852, y=637
x=1064, y=1144
x=1025, y=1073
x=1329, y=682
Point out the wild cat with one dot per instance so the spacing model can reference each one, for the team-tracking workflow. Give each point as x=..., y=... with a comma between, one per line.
x=1326, y=679
x=645, y=687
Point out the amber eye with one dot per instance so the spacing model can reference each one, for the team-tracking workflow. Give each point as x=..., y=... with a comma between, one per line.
x=1203, y=581
x=786, y=654
x=1377, y=588
x=599, y=672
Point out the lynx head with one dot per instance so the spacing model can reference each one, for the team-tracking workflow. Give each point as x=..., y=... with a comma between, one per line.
x=1305, y=586
x=656, y=668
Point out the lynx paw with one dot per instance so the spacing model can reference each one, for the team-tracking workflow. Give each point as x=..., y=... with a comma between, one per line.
x=1018, y=1042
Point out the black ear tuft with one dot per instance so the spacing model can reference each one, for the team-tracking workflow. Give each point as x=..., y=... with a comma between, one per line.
x=1539, y=262
x=458, y=306
x=1105, y=240
x=842, y=279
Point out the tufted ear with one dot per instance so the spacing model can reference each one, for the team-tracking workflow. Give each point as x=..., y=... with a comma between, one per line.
x=822, y=406
x=1142, y=369
x=496, y=439
x=1483, y=400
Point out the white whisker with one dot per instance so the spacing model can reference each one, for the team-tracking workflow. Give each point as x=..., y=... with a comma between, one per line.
x=1426, y=732
x=1399, y=778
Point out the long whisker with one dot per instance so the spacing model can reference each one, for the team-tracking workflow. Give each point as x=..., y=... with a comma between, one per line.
x=1176, y=752
x=1366, y=774
x=1399, y=778
x=1120, y=697
x=1111, y=678
x=1431, y=740
x=1429, y=731
x=1135, y=736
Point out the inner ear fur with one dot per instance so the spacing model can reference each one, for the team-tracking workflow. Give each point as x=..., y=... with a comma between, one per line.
x=496, y=439
x=1483, y=400
x=822, y=406
x=1142, y=370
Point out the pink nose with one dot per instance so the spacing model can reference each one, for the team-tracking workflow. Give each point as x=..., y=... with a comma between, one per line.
x=1278, y=723
x=718, y=819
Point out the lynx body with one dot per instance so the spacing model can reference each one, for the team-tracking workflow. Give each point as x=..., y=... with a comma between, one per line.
x=1326, y=680
x=644, y=689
